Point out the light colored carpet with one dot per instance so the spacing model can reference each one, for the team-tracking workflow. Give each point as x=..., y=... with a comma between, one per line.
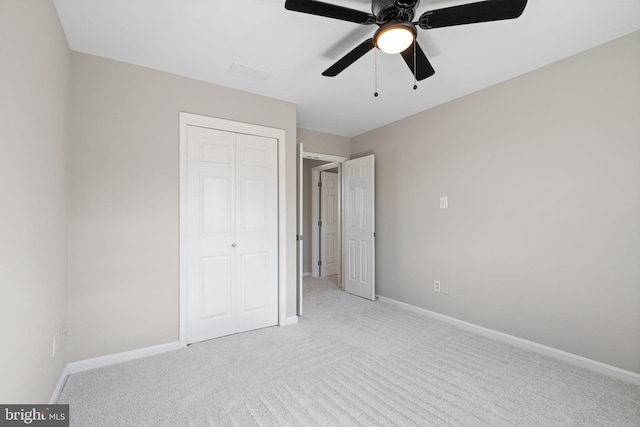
x=350, y=362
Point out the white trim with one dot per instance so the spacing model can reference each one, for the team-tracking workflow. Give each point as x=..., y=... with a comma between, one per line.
x=111, y=359
x=61, y=382
x=291, y=320
x=574, y=359
x=125, y=356
x=327, y=166
x=319, y=156
x=182, y=334
x=246, y=128
x=282, y=221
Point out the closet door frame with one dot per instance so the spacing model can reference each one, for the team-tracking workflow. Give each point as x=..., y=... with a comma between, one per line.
x=189, y=119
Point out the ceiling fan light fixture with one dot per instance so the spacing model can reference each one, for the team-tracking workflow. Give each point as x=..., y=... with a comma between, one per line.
x=395, y=37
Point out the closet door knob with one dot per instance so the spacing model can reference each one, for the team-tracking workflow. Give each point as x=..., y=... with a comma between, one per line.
x=233, y=245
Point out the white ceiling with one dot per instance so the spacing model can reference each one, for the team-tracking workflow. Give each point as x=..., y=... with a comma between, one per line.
x=281, y=54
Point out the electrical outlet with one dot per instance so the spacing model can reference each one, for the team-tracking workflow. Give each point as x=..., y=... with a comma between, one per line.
x=436, y=286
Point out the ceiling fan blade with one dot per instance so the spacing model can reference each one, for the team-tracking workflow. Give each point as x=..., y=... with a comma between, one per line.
x=484, y=11
x=352, y=38
x=330, y=11
x=349, y=58
x=422, y=64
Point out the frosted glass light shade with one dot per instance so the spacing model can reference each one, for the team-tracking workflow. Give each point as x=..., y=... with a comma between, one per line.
x=394, y=39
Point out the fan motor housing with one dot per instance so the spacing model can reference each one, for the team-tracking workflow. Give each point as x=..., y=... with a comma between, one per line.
x=386, y=10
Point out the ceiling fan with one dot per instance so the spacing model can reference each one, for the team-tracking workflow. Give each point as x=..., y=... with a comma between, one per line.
x=397, y=33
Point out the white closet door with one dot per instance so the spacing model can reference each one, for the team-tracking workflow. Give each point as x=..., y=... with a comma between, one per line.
x=257, y=232
x=231, y=215
x=359, y=226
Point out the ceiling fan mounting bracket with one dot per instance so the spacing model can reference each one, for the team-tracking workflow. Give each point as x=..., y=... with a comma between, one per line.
x=407, y=4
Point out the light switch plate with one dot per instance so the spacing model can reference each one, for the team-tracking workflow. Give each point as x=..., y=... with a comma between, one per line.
x=444, y=202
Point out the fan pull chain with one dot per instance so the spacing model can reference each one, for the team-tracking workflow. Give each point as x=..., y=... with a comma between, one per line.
x=375, y=67
x=415, y=69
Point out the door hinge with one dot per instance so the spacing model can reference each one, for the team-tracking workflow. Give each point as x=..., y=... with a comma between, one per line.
x=319, y=183
x=299, y=237
x=319, y=223
x=319, y=263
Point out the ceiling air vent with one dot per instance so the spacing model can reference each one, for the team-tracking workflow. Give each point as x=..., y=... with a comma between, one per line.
x=248, y=73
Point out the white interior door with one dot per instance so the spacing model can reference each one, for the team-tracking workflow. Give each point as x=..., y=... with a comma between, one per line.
x=359, y=226
x=330, y=229
x=300, y=232
x=231, y=226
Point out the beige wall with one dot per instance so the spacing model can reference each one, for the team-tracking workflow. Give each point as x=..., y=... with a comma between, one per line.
x=34, y=114
x=124, y=161
x=542, y=236
x=324, y=143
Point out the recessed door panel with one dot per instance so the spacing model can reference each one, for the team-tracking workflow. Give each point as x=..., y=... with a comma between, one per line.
x=351, y=260
x=254, y=268
x=331, y=209
x=363, y=268
x=330, y=253
x=217, y=151
x=217, y=287
x=251, y=155
x=360, y=219
x=216, y=205
x=254, y=209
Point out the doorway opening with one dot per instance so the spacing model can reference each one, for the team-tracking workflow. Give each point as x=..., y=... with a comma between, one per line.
x=307, y=161
x=355, y=235
x=326, y=213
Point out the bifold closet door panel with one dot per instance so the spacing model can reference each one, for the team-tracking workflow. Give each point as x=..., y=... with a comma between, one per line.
x=257, y=232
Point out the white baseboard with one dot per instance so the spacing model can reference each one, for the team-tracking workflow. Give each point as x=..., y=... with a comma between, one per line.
x=59, y=386
x=571, y=358
x=112, y=359
x=307, y=274
x=291, y=320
